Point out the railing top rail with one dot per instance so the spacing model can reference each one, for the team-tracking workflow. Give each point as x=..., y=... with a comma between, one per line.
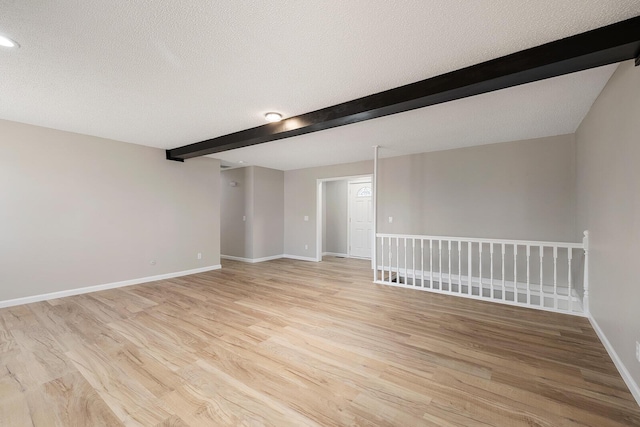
x=479, y=240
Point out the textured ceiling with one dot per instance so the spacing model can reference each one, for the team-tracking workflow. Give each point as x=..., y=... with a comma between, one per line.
x=166, y=74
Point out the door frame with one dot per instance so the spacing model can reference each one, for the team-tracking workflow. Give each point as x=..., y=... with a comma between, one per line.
x=320, y=205
x=349, y=182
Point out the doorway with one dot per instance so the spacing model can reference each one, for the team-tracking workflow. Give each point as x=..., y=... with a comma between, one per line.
x=334, y=230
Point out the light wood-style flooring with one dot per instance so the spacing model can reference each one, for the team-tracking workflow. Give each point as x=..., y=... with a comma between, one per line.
x=294, y=343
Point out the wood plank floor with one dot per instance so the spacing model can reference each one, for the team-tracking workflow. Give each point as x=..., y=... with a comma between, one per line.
x=297, y=343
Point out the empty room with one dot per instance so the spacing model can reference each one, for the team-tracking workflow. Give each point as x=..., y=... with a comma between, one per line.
x=320, y=213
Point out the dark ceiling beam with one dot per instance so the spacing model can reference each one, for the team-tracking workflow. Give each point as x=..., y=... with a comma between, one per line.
x=613, y=43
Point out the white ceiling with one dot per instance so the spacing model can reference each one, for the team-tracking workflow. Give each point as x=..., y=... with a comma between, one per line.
x=166, y=74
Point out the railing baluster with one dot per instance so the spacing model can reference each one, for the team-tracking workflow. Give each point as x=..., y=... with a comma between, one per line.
x=515, y=273
x=390, y=260
x=430, y=263
x=381, y=258
x=469, y=266
x=528, y=275
x=422, y=260
x=585, y=281
x=480, y=288
x=440, y=264
x=449, y=272
x=459, y=266
x=569, y=291
x=541, y=276
x=406, y=272
x=383, y=264
x=491, y=274
x=397, y=260
x=413, y=259
x=504, y=286
x=555, y=277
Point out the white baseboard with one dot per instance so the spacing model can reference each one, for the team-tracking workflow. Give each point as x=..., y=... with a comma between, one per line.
x=624, y=373
x=88, y=289
x=251, y=260
x=335, y=254
x=236, y=258
x=300, y=258
x=360, y=257
x=269, y=258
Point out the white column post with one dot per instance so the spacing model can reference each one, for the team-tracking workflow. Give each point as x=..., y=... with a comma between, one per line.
x=585, y=298
x=374, y=247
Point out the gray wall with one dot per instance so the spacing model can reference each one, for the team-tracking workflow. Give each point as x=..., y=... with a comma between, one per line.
x=324, y=217
x=522, y=190
x=268, y=212
x=232, y=209
x=79, y=211
x=608, y=159
x=259, y=196
x=335, y=227
x=300, y=199
x=514, y=190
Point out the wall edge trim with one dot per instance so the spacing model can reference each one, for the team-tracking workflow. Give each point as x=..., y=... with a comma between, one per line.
x=269, y=258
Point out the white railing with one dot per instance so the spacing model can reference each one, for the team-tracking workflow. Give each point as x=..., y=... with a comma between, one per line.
x=543, y=275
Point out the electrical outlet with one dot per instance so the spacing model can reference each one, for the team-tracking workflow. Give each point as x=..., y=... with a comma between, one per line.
x=306, y=217
x=638, y=351
x=306, y=247
x=390, y=219
x=152, y=262
x=199, y=255
x=244, y=217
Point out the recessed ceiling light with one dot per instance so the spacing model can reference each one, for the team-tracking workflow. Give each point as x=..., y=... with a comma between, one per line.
x=7, y=42
x=273, y=117
x=240, y=161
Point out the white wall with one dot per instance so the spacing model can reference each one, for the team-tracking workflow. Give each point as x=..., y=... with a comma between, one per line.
x=608, y=159
x=78, y=211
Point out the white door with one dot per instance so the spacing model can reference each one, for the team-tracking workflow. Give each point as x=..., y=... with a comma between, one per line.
x=360, y=219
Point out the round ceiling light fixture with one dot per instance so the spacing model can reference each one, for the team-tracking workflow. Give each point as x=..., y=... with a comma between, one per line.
x=7, y=42
x=273, y=117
